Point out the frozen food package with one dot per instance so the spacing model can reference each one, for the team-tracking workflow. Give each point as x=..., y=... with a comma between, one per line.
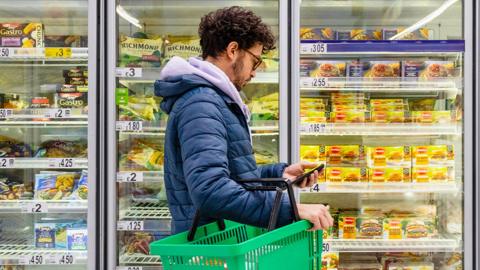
x=66, y=41
x=346, y=174
x=392, y=228
x=381, y=156
x=411, y=266
x=71, y=100
x=312, y=153
x=344, y=154
x=140, y=108
x=370, y=227
x=438, y=69
x=77, y=238
x=13, y=188
x=25, y=35
x=148, y=192
x=313, y=104
x=142, y=154
x=359, y=34
x=452, y=261
x=381, y=69
x=433, y=155
x=388, y=117
x=421, y=104
x=419, y=34
x=182, y=46
x=419, y=227
x=326, y=33
x=425, y=174
x=433, y=117
x=63, y=149
x=412, y=68
x=324, y=68
x=11, y=148
x=353, y=96
x=330, y=260
x=348, y=117
x=347, y=226
x=54, y=186
x=80, y=191
x=349, y=107
x=139, y=242
x=388, y=104
x=390, y=175
x=45, y=235
x=360, y=266
x=355, y=69
x=140, y=50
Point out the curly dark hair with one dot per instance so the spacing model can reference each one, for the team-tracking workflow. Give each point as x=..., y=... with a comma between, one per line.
x=218, y=28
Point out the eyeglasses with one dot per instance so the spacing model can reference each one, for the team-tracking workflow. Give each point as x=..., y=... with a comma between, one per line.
x=258, y=62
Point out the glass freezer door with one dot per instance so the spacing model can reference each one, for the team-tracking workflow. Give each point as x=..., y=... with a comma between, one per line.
x=380, y=100
x=44, y=127
x=148, y=34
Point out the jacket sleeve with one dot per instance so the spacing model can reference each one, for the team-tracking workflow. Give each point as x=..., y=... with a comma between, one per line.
x=203, y=143
x=272, y=170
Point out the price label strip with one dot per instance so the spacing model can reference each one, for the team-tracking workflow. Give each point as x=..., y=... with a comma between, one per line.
x=315, y=82
x=130, y=225
x=58, y=113
x=129, y=126
x=129, y=177
x=37, y=259
x=6, y=52
x=317, y=188
x=65, y=259
x=58, y=52
x=314, y=48
x=129, y=268
x=35, y=207
x=128, y=72
x=6, y=163
x=328, y=247
x=63, y=163
x=6, y=113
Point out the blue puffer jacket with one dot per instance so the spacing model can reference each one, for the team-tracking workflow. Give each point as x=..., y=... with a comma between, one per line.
x=207, y=147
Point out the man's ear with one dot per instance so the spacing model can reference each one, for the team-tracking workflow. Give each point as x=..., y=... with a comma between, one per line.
x=232, y=50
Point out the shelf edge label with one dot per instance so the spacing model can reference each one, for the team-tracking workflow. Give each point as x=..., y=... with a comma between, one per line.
x=129, y=177
x=35, y=207
x=7, y=163
x=58, y=52
x=130, y=225
x=313, y=48
x=128, y=72
x=129, y=126
x=7, y=52
x=319, y=82
x=6, y=113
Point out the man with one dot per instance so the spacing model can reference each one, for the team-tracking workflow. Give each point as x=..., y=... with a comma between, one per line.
x=208, y=144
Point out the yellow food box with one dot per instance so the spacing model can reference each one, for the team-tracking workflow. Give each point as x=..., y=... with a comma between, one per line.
x=350, y=96
x=387, y=116
x=349, y=107
x=432, y=154
x=390, y=175
x=348, y=117
x=347, y=226
x=391, y=101
x=344, y=154
x=312, y=153
x=432, y=117
x=424, y=174
x=381, y=156
x=346, y=174
x=392, y=228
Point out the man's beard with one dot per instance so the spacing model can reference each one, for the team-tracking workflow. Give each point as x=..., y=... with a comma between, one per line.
x=237, y=69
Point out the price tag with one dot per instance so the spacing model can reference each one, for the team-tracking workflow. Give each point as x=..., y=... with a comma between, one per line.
x=317, y=188
x=65, y=259
x=328, y=247
x=129, y=268
x=58, y=113
x=32, y=260
x=321, y=82
x=58, y=52
x=35, y=207
x=6, y=52
x=128, y=72
x=62, y=163
x=6, y=163
x=129, y=126
x=129, y=177
x=130, y=225
x=5, y=113
x=314, y=128
x=314, y=48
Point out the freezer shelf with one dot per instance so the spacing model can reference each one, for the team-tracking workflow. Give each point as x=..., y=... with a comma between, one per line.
x=42, y=206
x=406, y=188
x=132, y=75
x=380, y=245
x=43, y=163
x=145, y=216
x=388, y=129
x=409, y=47
x=43, y=54
x=18, y=253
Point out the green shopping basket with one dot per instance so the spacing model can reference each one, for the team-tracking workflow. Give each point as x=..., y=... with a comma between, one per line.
x=234, y=246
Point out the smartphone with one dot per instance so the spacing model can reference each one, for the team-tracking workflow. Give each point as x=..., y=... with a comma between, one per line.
x=304, y=176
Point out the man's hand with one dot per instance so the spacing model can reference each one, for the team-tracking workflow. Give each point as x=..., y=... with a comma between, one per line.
x=292, y=171
x=317, y=214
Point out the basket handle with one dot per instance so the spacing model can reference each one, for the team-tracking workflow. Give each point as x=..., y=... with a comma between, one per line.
x=269, y=184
